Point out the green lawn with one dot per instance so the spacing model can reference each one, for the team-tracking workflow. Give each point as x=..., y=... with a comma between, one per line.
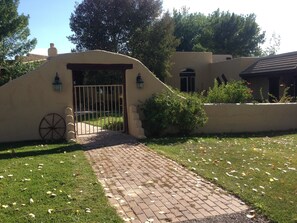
x=261, y=170
x=50, y=183
x=111, y=121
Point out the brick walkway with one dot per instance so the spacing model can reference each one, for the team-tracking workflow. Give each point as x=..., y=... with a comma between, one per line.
x=146, y=187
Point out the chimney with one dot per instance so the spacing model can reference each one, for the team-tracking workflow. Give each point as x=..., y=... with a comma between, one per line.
x=52, y=51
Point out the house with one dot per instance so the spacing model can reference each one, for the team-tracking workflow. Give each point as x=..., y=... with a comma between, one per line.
x=273, y=74
x=196, y=72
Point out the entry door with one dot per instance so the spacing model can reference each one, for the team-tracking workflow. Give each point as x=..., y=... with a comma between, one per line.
x=273, y=88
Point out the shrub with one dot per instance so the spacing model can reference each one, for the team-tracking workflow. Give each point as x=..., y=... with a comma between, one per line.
x=232, y=92
x=170, y=109
x=14, y=70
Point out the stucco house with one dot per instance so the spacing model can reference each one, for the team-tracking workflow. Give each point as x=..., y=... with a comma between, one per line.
x=196, y=72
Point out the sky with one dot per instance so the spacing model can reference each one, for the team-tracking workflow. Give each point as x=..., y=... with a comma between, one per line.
x=49, y=20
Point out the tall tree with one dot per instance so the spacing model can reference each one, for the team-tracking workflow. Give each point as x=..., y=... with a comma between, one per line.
x=109, y=24
x=14, y=31
x=188, y=27
x=219, y=32
x=154, y=45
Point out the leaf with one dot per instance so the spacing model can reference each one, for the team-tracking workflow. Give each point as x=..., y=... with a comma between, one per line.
x=32, y=215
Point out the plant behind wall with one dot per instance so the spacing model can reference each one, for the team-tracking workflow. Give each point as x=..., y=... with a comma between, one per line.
x=170, y=109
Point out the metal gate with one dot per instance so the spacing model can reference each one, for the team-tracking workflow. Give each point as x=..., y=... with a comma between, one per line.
x=99, y=108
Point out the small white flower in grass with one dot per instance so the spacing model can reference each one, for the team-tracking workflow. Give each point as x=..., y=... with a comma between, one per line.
x=1, y=177
x=23, y=205
x=32, y=215
x=255, y=190
x=48, y=192
x=14, y=203
x=267, y=173
x=228, y=162
x=26, y=164
x=61, y=162
x=50, y=211
x=31, y=201
x=10, y=175
x=5, y=206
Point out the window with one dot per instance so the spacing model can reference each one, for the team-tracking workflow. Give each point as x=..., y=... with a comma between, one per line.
x=187, y=80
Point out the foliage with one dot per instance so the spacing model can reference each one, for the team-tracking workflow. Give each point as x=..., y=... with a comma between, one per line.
x=232, y=92
x=154, y=46
x=169, y=109
x=50, y=183
x=285, y=98
x=188, y=29
x=273, y=47
x=14, y=31
x=260, y=169
x=219, y=32
x=109, y=24
x=16, y=69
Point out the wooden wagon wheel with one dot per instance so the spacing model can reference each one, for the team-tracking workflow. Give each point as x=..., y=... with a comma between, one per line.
x=52, y=127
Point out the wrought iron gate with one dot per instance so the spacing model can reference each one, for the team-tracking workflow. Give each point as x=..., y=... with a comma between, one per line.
x=99, y=108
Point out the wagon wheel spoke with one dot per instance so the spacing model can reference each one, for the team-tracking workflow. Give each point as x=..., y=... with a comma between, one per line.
x=52, y=127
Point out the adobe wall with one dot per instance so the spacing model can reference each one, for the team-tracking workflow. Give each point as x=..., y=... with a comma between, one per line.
x=230, y=68
x=26, y=100
x=238, y=118
x=198, y=61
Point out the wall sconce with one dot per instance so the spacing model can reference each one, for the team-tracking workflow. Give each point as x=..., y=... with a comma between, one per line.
x=139, y=81
x=57, y=84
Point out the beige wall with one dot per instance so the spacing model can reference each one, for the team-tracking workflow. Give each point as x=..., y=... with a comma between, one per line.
x=231, y=68
x=236, y=118
x=26, y=100
x=198, y=61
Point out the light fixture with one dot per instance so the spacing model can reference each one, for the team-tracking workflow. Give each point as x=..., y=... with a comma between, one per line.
x=139, y=81
x=57, y=84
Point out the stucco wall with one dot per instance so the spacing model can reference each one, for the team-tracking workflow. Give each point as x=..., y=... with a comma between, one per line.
x=26, y=100
x=235, y=118
x=230, y=68
x=198, y=61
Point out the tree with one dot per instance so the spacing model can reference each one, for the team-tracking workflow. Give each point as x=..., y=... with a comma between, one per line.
x=274, y=45
x=188, y=27
x=154, y=45
x=219, y=32
x=109, y=24
x=14, y=31
x=234, y=34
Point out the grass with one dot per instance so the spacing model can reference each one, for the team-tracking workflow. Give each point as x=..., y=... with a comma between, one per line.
x=50, y=183
x=108, y=121
x=261, y=170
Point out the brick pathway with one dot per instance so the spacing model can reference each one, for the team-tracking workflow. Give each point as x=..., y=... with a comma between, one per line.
x=146, y=187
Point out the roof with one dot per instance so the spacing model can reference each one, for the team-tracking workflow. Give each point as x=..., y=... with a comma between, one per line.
x=33, y=57
x=272, y=65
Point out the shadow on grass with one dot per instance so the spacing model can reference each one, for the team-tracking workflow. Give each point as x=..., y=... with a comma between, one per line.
x=20, y=149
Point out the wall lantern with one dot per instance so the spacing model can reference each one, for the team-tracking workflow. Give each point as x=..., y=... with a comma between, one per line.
x=139, y=81
x=57, y=84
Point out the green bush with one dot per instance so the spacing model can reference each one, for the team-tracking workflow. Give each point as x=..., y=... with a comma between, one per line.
x=14, y=70
x=232, y=92
x=171, y=109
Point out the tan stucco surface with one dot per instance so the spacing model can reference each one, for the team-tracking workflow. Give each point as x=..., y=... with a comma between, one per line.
x=26, y=100
x=230, y=68
x=198, y=61
x=236, y=118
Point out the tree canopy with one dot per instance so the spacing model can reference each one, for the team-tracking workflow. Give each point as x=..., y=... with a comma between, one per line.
x=14, y=31
x=109, y=24
x=219, y=32
x=132, y=27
